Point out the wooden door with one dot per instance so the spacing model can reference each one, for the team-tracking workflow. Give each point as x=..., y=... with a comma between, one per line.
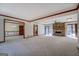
x=21, y=30
x=35, y=30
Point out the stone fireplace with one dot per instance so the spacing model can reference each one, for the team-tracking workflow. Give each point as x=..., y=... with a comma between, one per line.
x=59, y=29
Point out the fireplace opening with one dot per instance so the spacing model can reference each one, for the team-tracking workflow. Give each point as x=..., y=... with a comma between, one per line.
x=57, y=32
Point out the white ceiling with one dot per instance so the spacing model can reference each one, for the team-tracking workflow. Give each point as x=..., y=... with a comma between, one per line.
x=30, y=11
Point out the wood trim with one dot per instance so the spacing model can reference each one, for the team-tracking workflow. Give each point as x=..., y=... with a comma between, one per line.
x=24, y=30
x=2, y=41
x=57, y=13
x=14, y=17
x=77, y=6
x=44, y=16
x=14, y=20
x=35, y=32
x=76, y=29
x=4, y=30
x=54, y=14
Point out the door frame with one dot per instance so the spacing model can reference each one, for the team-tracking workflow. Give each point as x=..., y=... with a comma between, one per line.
x=34, y=31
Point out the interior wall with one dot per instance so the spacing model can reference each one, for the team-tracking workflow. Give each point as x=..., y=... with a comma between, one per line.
x=11, y=27
x=51, y=20
x=28, y=29
x=40, y=29
x=28, y=26
x=1, y=29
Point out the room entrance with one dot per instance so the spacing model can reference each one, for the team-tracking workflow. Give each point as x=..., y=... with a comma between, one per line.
x=35, y=30
x=48, y=30
x=72, y=30
x=14, y=29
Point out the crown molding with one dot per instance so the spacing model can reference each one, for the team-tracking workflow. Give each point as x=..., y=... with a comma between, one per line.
x=14, y=17
x=44, y=16
x=57, y=13
x=77, y=6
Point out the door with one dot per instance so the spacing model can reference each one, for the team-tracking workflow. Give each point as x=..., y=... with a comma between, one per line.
x=69, y=29
x=21, y=30
x=35, y=30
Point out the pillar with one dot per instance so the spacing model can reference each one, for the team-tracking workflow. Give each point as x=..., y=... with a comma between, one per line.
x=2, y=29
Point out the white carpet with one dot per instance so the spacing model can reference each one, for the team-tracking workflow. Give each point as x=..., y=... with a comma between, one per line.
x=40, y=46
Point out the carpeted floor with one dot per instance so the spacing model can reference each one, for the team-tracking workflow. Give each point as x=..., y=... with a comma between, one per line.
x=40, y=46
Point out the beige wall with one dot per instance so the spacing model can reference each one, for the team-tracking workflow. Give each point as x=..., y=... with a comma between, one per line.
x=11, y=27
x=51, y=20
x=40, y=23
x=28, y=29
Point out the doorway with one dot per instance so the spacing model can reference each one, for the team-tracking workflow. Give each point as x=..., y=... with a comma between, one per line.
x=14, y=29
x=72, y=30
x=35, y=30
x=48, y=30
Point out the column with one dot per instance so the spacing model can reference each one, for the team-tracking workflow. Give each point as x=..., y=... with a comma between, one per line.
x=78, y=28
x=2, y=27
